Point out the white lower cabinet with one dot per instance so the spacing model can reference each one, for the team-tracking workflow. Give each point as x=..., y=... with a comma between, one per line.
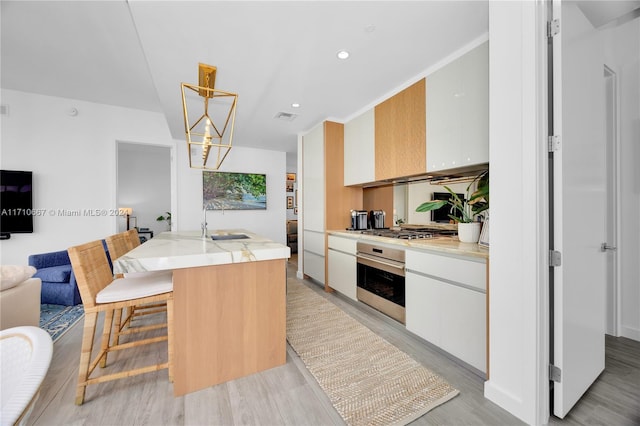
x=313, y=264
x=423, y=313
x=448, y=313
x=342, y=268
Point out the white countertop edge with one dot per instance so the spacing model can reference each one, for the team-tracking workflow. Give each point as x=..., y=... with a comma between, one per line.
x=177, y=250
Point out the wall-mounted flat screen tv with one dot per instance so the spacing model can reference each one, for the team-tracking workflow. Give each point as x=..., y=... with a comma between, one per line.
x=441, y=215
x=16, y=201
x=234, y=191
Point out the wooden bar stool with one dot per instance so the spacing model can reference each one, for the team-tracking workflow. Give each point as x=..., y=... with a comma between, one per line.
x=134, y=237
x=118, y=245
x=101, y=293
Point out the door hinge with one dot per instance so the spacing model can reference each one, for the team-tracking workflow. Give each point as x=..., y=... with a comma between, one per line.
x=554, y=143
x=555, y=374
x=553, y=27
x=555, y=258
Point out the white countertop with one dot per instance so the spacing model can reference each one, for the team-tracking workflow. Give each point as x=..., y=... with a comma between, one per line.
x=449, y=245
x=175, y=250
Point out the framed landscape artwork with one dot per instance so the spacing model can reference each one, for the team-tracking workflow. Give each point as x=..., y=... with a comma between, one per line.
x=234, y=191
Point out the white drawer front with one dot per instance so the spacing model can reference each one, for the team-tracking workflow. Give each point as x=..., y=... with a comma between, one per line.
x=314, y=266
x=314, y=242
x=346, y=245
x=467, y=272
x=342, y=273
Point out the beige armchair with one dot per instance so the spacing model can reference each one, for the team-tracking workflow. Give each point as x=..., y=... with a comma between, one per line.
x=20, y=302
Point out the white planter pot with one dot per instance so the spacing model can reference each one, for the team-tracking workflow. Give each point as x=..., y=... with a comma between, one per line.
x=469, y=232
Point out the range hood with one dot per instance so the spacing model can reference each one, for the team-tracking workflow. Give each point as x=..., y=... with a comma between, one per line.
x=443, y=177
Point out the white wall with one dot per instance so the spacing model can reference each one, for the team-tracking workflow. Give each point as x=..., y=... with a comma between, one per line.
x=73, y=159
x=270, y=223
x=622, y=54
x=74, y=165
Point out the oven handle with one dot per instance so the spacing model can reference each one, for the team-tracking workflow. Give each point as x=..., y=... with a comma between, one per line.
x=375, y=262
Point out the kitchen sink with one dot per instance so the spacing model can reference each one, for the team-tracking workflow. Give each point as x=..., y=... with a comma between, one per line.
x=229, y=237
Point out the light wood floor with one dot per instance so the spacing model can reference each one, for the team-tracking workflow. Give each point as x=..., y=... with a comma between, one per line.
x=289, y=395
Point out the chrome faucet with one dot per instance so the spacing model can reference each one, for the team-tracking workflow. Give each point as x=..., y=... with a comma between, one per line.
x=204, y=223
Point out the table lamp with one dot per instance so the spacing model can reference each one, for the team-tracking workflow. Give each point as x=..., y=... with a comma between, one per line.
x=126, y=211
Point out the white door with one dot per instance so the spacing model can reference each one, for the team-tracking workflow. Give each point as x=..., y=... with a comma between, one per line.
x=579, y=197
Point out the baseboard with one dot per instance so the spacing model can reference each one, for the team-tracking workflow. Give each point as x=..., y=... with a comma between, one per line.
x=630, y=333
x=505, y=400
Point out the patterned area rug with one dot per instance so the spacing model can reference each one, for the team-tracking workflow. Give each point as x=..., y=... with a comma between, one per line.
x=57, y=319
x=368, y=380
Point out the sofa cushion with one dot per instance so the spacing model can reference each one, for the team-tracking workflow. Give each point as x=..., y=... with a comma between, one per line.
x=47, y=260
x=55, y=274
x=12, y=275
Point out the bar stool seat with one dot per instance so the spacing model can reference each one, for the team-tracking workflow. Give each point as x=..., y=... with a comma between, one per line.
x=134, y=288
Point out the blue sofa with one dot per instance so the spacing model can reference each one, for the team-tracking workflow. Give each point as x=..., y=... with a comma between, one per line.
x=59, y=286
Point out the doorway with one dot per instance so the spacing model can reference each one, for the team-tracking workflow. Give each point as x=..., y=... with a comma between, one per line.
x=144, y=186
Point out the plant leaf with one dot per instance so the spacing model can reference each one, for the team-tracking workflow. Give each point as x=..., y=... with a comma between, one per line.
x=431, y=205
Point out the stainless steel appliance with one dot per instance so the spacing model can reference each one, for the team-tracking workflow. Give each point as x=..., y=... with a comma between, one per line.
x=380, y=279
x=376, y=219
x=358, y=219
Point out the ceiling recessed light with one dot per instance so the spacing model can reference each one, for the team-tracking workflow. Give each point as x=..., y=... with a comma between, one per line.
x=343, y=54
x=295, y=105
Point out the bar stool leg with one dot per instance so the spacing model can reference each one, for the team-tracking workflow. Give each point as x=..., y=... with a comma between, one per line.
x=88, y=333
x=106, y=337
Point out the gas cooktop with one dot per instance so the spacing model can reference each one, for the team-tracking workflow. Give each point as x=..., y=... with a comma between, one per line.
x=405, y=234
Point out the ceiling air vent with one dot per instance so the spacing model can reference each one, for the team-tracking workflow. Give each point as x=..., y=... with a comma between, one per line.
x=286, y=116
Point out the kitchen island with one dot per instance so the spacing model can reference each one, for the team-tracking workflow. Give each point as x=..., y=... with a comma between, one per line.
x=229, y=302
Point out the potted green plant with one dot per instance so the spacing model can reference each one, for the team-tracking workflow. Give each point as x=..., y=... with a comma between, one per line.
x=166, y=217
x=473, y=204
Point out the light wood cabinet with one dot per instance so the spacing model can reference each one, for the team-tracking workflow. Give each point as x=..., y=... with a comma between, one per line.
x=342, y=267
x=326, y=201
x=400, y=134
x=359, y=149
x=446, y=304
x=457, y=113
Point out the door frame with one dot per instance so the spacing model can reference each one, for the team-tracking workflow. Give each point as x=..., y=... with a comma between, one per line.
x=613, y=181
x=172, y=170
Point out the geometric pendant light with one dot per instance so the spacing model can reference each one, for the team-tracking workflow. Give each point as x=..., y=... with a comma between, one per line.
x=209, y=117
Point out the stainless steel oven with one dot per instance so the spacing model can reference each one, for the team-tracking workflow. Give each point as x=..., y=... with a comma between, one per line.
x=380, y=279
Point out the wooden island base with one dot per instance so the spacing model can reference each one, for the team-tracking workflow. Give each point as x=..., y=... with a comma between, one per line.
x=230, y=321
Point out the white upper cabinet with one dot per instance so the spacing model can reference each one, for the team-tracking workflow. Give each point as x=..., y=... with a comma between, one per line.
x=457, y=97
x=359, y=149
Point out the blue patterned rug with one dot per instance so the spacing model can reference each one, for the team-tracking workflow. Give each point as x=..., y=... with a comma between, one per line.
x=57, y=319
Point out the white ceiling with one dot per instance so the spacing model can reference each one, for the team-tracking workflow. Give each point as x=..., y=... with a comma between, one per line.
x=272, y=53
